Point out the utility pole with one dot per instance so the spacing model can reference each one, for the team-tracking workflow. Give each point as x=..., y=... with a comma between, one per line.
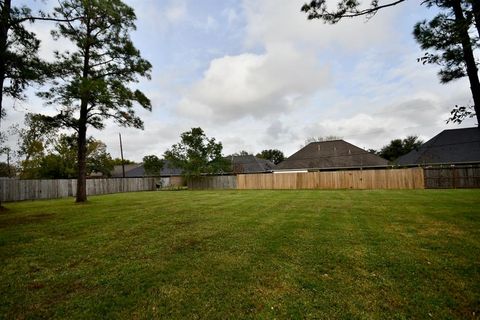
x=121, y=154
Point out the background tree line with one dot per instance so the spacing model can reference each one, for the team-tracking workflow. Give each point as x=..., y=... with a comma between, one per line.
x=43, y=153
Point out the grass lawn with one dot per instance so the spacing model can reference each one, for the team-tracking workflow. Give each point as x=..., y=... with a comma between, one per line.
x=244, y=254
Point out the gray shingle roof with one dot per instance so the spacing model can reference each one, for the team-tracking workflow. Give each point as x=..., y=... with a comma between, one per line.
x=118, y=172
x=241, y=164
x=250, y=164
x=449, y=146
x=137, y=170
x=329, y=155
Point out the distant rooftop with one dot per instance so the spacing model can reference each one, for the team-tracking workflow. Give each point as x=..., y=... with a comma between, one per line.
x=331, y=154
x=137, y=170
x=449, y=146
x=251, y=164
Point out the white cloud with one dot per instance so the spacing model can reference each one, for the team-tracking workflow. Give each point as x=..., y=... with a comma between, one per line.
x=281, y=21
x=155, y=139
x=255, y=84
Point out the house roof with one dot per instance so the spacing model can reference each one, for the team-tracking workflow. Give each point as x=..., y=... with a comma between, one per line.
x=330, y=155
x=118, y=172
x=251, y=164
x=137, y=170
x=449, y=146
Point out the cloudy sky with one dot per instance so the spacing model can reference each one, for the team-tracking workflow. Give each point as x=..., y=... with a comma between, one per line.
x=255, y=74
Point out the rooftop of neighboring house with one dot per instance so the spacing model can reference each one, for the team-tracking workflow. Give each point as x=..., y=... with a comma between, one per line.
x=452, y=146
x=333, y=154
x=137, y=170
x=250, y=164
x=118, y=170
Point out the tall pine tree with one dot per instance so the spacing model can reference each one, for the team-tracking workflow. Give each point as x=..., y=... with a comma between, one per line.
x=92, y=80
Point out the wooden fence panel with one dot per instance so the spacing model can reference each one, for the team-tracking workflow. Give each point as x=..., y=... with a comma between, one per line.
x=252, y=181
x=351, y=179
x=176, y=181
x=168, y=182
x=16, y=190
x=285, y=181
x=453, y=177
x=212, y=182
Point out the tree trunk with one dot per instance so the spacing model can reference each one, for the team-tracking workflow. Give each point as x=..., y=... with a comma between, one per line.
x=82, y=154
x=82, y=124
x=472, y=70
x=4, y=26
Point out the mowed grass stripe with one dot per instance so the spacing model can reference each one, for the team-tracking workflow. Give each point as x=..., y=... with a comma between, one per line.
x=244, y=254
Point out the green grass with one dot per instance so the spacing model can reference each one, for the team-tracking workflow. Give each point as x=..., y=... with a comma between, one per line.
x=244, y=254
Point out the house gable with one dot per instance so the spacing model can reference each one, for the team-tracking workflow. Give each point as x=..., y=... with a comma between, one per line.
x=331, y=155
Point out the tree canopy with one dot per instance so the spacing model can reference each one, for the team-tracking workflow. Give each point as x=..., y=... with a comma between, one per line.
x=58, y=159
x=35, y=136
x=152, y=165
x=196, y=154
x=119, y=161
x=274, y=155
x=320, y=139
x=19, y=61
x=449, y=38
x=20, y=64
x=7, y=170
x=318, y=9
x=399, y=147
x=92, y=80
x=241, y=153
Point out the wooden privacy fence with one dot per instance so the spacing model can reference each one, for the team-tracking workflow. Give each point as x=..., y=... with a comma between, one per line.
x=412, y=178
x=353, y=179
x=453, y=177
x=16, y=190
x=212, y=182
